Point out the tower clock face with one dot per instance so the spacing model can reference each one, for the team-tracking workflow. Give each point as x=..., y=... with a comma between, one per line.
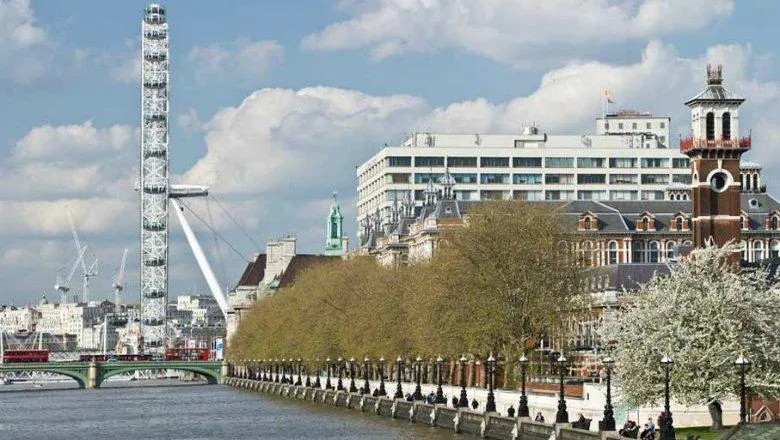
x=718, y=181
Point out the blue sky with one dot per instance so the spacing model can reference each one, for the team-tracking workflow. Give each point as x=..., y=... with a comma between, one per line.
x=273, y=104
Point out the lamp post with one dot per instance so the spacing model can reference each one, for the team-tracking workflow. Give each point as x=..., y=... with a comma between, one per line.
x=276, y=370
x=417, y=390
x=317, y=364
x=382, y=391
x=299, y=382
x=366, y=385
x=742, y=364
x=522, y=406
x=463, y=402
x=305, y=369
x=328, y=366
x=561, y=416
x=608, y=424
x=490, y=406
x=439, y=392
x=399, y=393
x=667, y=428
x=352, y=387
x=340, y=384
x=265, y=370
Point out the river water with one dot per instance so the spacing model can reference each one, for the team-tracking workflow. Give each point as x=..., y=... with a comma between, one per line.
x=187, y=412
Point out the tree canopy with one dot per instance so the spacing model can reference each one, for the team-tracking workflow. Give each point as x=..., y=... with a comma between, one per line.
x=704, y=314
x=494, y=285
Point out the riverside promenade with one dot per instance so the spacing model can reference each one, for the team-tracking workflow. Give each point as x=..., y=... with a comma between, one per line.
x=465, y=420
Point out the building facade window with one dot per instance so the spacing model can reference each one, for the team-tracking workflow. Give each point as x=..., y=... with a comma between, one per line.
x=623, y=179
x=622, y=162
x=681, y=162
x=527, y=162
x=461, y=162
x=613, y=253
x=726, y=122
x=561, y=179
x=758, y=251
x=710, y=126
x=655, y=179
x=429, y=161
x=653, y=254
x=591, y=195
x=494, y=162
x=558, y=195
x=680, y=223
x=773, y=223
x=623, y=195
x=670, y=250
x=490, y=178
x=559, y=162
x=527, y=179
x=591, y=178
x=427, y=177
x=399, y=161
x=774, y=249
x=527, y=195
x=590, y=162
x=638, y=252
x=654, y=162
x=464, y=177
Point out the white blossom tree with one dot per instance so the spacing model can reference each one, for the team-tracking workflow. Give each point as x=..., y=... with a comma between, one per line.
x=703, y=314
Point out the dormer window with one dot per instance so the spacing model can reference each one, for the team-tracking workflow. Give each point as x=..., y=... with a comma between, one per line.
x=587, y=223
x=680, y=222
x=645, y=223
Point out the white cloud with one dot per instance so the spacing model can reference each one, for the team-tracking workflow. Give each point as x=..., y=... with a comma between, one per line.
x=49, y=141
x=245, y=60
x=521, y=33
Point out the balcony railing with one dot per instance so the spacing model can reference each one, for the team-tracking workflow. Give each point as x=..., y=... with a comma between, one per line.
x=690, y=143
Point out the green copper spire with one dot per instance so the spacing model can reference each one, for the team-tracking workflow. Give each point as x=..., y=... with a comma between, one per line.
x=333, y=242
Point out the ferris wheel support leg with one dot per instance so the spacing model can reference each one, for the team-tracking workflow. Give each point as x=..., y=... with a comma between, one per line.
x=200, y=257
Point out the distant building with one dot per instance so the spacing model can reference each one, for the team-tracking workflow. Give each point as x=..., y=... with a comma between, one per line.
x=268, y=272
x=629, y=158
x=336, y=243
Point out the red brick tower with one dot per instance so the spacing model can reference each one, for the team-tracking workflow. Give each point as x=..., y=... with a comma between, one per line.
x=715, y=150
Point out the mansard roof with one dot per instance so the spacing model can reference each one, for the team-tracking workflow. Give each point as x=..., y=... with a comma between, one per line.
x=301, y=263
x=715, y=93
x=254, y=272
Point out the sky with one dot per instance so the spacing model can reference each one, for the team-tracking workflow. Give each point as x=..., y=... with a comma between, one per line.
x=274, y=104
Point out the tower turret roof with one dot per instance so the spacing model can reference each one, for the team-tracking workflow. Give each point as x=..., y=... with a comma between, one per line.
x=715, y=92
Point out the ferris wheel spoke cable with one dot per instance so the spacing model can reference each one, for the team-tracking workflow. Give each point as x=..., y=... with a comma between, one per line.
x=217, y=234
x=246, y=234
x=216, y=244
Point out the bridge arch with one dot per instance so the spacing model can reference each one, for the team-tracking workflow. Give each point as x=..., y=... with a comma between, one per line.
x=79, y=376
x=212, y=376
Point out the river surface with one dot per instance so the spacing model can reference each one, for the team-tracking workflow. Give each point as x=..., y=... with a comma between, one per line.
x=187, y=412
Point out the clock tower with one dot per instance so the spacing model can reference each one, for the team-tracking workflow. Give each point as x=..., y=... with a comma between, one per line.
x=715, y=149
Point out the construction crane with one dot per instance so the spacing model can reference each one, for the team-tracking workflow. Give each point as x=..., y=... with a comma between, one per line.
x=119, y=282
x=89, y=269
x=63, y=284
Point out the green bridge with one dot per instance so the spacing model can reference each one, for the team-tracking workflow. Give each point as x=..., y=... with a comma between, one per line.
x=92, y=375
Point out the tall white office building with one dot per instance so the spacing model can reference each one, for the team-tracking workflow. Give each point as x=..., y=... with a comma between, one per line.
x=629, y=158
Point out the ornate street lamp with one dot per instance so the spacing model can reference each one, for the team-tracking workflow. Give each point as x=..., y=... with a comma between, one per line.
x=299, y=382
x=562, y=416
x=743, y=365
x=318, y=367
x=352, y=387
x=382, y=391
x=284, y=371
x=276, y=370
x=366, y=386
x=340, y=384
x=490, y=406
x=417, y=390
x=667, y=429
x=328, y=385
x=305, y=369
x=463, y=402
x=265, y=371
x=608, y=424
x=439, y=392
x=399, y=393
x=522, y=406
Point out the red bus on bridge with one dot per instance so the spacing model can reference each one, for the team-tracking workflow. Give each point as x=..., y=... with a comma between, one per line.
x=186, y=354
x=25, y=356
